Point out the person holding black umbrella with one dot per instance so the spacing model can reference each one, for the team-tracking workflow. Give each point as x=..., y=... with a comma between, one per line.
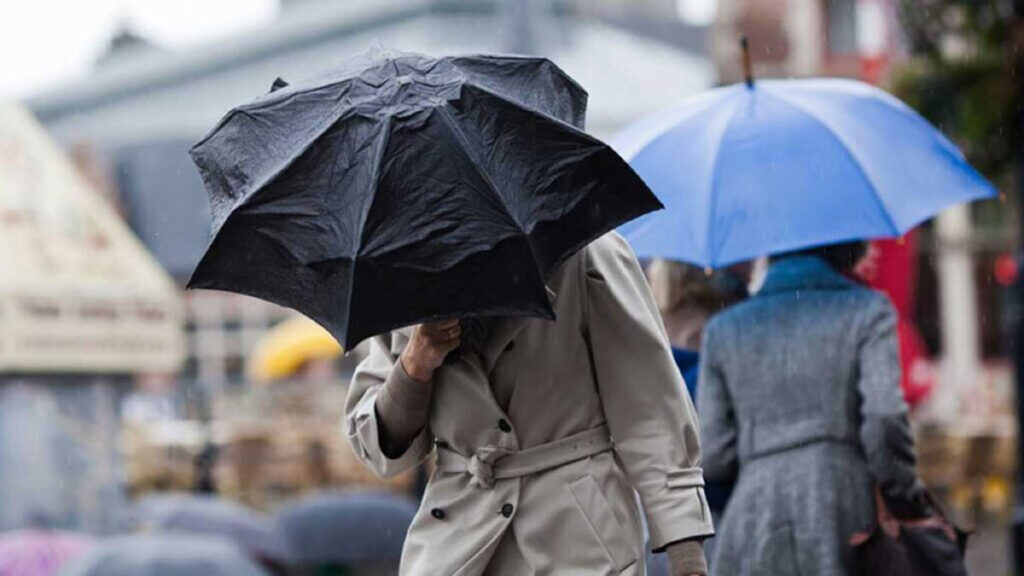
x=529, y=480
x=402, y=190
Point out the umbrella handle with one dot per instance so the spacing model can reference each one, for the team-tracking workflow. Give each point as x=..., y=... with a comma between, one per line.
x=748, y=74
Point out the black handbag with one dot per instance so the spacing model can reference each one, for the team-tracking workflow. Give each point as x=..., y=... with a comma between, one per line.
x=927, y=546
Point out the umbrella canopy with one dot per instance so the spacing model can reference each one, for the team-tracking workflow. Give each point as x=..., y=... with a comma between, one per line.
x=287, y=346
x=165, y=555
x=39, y=552
x=402, y=188
x=252, y=531
x=347, y=528
x=789, y=164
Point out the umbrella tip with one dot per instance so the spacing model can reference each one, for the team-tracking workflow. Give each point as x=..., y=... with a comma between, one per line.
x=278, y=84
x=748, y=74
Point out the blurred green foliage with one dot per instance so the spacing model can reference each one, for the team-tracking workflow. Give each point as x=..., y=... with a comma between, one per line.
x=960, y=77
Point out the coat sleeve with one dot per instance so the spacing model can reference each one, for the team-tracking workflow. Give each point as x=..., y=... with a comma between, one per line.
x=885, y=428
x=362, y=421
x=651, y=417
x=718, y=430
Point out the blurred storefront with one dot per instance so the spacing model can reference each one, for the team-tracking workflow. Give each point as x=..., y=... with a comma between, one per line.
x=83, y=309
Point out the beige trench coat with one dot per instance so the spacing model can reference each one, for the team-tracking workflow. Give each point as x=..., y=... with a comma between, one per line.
x=604, y=362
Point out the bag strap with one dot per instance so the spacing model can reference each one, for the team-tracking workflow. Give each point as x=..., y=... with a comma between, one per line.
x=892, y=525
x=886, y=521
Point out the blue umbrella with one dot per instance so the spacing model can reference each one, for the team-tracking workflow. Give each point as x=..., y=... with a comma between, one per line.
x=778, y=165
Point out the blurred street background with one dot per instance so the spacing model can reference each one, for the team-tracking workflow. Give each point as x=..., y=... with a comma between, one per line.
x=116, y=383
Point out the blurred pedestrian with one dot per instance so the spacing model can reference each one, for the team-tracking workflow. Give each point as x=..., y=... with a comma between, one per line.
x=205, y=464
x=800, y=402
x=528, y=480
x=687, y=297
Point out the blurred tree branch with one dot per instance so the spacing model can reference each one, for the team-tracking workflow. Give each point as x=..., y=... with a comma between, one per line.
x=960, y=76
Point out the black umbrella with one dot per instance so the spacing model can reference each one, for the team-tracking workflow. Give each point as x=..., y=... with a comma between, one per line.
x=403, y=188
x=347, y=528
x=252, y=531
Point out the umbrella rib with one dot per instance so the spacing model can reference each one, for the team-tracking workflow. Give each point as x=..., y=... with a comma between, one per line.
x=528, y=111
x=247, y=198
x=844, y=145
x=263, y=103
x=382, y=144
x=713, y=201
x=649, y=129
x=474, y=161
x=533, y=111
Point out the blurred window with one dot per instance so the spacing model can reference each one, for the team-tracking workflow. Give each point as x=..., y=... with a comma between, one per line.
x=841, y=16
x=991, y=302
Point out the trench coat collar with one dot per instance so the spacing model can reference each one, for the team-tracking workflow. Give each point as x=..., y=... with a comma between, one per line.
x=504, y=329
x=795, y=273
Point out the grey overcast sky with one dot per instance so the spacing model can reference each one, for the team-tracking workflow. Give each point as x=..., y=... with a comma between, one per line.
x=43, y=42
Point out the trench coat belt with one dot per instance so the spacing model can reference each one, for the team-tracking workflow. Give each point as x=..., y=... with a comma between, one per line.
x=491, y=463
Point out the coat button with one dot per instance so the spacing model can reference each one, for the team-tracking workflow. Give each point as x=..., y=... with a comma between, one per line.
x=507, y=510
x=437, y=513
x=510, y=346
x=504, y=426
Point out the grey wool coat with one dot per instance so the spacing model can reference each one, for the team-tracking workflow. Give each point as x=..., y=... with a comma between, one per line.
x=603, y=369
x=800, y=401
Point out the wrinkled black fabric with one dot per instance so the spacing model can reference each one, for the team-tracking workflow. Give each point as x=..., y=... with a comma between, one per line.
x=401, y=188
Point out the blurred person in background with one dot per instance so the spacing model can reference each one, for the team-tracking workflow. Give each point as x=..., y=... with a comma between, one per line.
x=528, y=480
x=800, y=403
x=687, y=297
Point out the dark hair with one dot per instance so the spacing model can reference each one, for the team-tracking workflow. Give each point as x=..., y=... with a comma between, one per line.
x=843, y=256
x=677, y=284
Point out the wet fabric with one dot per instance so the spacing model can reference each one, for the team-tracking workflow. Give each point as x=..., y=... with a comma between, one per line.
x=800, y=402
x=401, y=188
x=688, y=362
x=605, y=361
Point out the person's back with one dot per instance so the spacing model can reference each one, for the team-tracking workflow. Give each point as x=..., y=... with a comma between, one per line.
x=800, y=398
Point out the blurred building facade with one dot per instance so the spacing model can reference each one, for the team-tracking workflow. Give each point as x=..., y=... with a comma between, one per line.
x=142, y=107
x=83, y=310
x=851, y=38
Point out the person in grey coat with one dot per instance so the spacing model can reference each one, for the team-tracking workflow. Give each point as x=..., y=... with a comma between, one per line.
x=800, y=402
